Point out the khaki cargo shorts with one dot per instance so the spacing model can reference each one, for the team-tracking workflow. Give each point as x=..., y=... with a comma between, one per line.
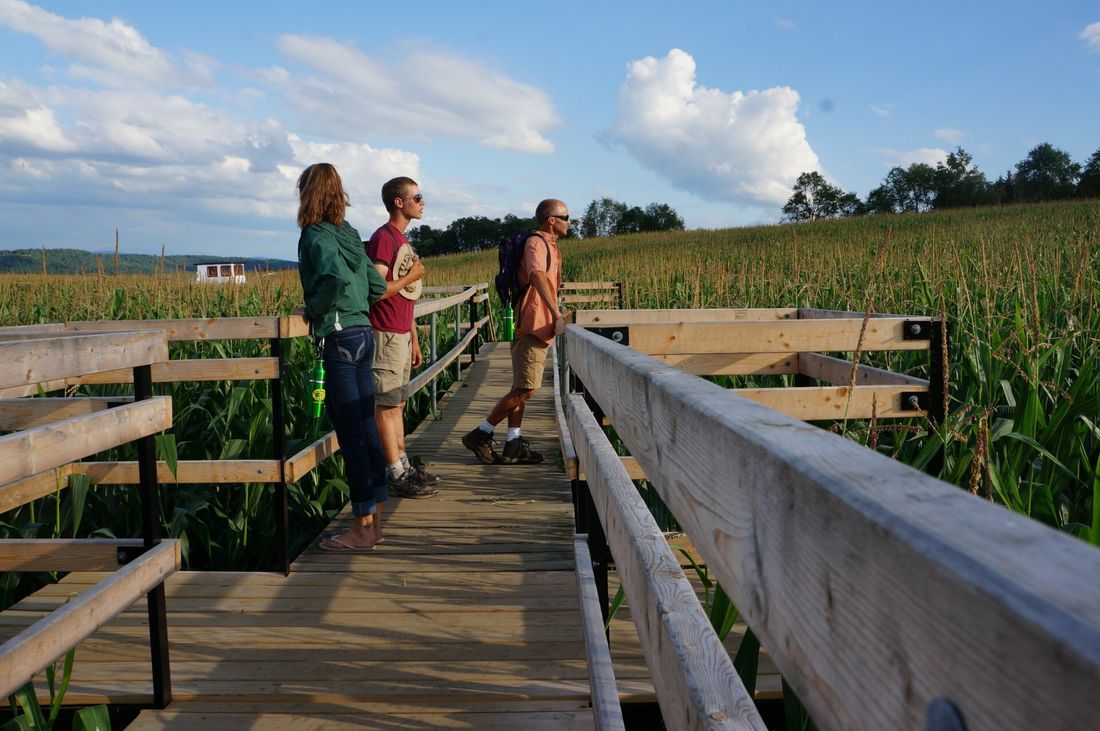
x=391, y=367
x=528, y=362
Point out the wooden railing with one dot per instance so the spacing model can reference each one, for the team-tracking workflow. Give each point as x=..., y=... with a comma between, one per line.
x=48, y=435
x=585, y=294
x=18, y=413
x=887, y=598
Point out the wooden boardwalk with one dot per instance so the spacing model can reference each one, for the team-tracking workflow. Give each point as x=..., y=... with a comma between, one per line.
x=465, y=617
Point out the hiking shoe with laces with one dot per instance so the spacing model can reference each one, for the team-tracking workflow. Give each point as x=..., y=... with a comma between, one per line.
x=518, y=451
x=481, y=444
x=424, y=477
x=408, y=486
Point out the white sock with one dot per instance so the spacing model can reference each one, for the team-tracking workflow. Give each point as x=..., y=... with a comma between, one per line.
x=485, y=426
x=395, y=470
x=405, y=461
x=513, y=433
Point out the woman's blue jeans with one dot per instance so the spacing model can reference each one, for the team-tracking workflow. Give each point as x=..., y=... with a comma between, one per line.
x=349, y=400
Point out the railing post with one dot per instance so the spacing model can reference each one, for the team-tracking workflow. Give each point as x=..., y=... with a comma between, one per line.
x=458, y=337
x=473, y=326
x=150, y=530
x=432, y=356
x=937, y=387
x=278, y=446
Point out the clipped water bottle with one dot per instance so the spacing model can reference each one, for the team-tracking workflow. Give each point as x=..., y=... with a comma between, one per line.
x=508, y=324
x=317, y=388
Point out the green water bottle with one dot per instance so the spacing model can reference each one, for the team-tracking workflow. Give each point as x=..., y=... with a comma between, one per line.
x=508, y=323
x=317, y=388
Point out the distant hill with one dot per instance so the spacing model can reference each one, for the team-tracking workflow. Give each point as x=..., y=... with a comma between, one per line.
x=78, y=261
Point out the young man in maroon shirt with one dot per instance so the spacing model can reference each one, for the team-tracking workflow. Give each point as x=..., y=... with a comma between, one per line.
x=396, y=346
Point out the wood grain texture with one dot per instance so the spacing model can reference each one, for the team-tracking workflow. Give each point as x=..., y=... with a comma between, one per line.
x=31, y=488
x=62, y=554
x=606, y=710
x=697, y=686
x=25, y=413
x=220, y=328
x=608, y=318
x=876, y=588
x=838, y=372
x=28, y=362
x=197, y=369
x=188, y=472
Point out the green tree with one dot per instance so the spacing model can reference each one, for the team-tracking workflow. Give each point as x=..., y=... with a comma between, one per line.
x=813, y=198
x=1089, y=184
x=603, y=217
x=662, y=217
x=958, y=182
x=1047, y=173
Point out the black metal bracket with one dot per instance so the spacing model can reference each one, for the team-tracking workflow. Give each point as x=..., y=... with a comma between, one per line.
x=126, y=554
x=915, y=400
x=917, y=329
x=620, y=335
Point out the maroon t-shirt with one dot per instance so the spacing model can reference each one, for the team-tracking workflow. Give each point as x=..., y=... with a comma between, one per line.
x=394, y=315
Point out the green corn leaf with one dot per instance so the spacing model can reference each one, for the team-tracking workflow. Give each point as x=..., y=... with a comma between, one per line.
x=92, y=718
x=747, y=660
x=166, y=451
x=616, y=602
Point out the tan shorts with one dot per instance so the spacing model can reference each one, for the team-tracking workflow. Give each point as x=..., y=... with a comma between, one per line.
x=391, y=366
x=528, y=362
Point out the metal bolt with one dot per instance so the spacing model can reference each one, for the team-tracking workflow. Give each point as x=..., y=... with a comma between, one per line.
x=915, y=328
x=617, y=336
x=943, y=715
x=914, y=403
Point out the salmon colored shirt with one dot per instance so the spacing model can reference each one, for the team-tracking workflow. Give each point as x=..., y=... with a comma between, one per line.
x=533, y=316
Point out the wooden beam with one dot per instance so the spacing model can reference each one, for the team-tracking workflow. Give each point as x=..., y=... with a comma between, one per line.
x=51, y=637
x=838, y=372
x=294, y=326
x=574, y=286
x=571, y=299
x=606, y=711
x=691, y=670
x=607, y=318
x=565, y=442
x=27, y=362
x=214, y=328
x=33, y=389
x=788, y=336
x=876, y=588
x=28, y=452
x=810, y=313
x=25, y=413
x=424, y=377
x=427, y=307
x=21, y=492
x=197, y=369
x=188, y=472
x=820, y=403
x=62, y=554
x=733, y=364
x=300, y=464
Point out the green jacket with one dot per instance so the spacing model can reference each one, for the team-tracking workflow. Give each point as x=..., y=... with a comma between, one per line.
x=339, y=281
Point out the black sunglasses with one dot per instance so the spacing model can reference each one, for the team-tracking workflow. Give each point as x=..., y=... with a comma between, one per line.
x=418, y=198
x=560, y=216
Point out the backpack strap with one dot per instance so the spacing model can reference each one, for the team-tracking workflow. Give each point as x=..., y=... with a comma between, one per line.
x=549, y=258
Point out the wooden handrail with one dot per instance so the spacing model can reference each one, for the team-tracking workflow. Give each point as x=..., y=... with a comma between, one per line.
x=606, y=710
x=51, y=637
x=27, y=362
x=877, y=589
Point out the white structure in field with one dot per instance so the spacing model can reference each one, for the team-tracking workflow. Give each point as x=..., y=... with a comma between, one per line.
x=219, y=273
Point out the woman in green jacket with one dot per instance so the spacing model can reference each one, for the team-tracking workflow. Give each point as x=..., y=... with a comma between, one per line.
x=340, y=285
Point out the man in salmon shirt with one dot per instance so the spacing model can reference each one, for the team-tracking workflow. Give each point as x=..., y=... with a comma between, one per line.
x=538, y=320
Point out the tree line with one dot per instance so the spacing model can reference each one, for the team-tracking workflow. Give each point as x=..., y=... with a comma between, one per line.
x=603, y=217
x=1047, y=173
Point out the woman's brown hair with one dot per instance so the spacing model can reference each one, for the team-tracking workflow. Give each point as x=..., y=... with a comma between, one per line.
x=321, y=196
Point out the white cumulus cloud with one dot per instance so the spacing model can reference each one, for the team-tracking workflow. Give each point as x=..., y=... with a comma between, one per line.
x=107, y=52
x=1091, y=36
x=420, y=93
x=746, y=147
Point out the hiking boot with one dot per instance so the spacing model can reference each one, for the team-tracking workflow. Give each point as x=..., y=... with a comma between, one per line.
x=518, y=451
x=408, y=486
x=481, y=444
x=423, y=476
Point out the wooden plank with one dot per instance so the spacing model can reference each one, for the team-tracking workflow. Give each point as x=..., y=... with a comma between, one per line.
x=36, y=361
x=607, y=318
x=294, y=326
x=860, y=574
x=426, y=307
x=578, y=298
x=733, y=364
x=33, y=389
x=565, y=442
x=838, y=372
x=31, y=488
x=696, y=684
x=818, y=403
x=10, y=331
x=811, y=313
x=62, y=554
x=789, y=336
x=183, y=718
x=606, y=710
x=219, y=328
x=50, y=638
x=26, y=413
x=573, y=286
x=188, y=472
x=196, y=369
x=28, y=452
x=300, y=464
x=425, y=377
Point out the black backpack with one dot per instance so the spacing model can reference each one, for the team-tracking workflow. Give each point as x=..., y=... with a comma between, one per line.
x=509, y=255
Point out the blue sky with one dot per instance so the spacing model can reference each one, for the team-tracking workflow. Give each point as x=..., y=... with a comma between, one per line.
x=185, y=125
